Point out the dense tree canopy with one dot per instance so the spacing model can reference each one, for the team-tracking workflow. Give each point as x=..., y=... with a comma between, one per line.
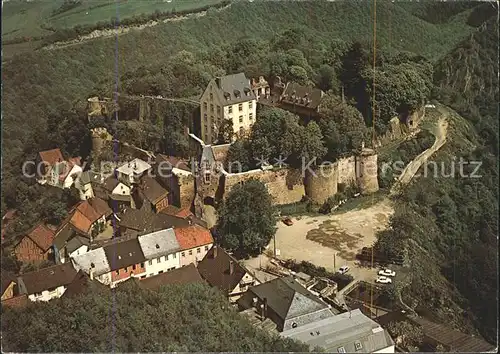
x=188, y=318
x=246, y=218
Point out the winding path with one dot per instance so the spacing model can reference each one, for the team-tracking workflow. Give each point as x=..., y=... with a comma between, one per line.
x=411, y=169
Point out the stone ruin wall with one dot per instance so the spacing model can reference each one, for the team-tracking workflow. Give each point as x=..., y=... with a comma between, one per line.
x=285, y=185
x=346, y=170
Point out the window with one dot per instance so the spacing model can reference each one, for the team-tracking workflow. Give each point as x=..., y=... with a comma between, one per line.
x=183, y=254
x=171, y=268
x=150, y=262
x=241, y=119
x=142, y=277
x=142, y=265
x=207, y=177
x=206, y=248
x=198, y=250
x=190, y=252
x=211, y=96
x=158, y=260
x=175, y=255
x=133, y=267
x=240, y=107
x=341, y=350
x=230, y=109
x=250, y=105
x=166, y=257
x=205, y=117
x=205, y=105
x=218, y=110
x=38, y=294
x=357, y=345
x=250, y=116
x=118, y=272
x=211, y=108
x=161, y=271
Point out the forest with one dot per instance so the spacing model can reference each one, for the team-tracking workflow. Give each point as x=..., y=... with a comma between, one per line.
x=448, y=225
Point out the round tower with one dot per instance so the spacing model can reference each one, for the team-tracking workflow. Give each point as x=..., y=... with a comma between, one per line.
x=366, y=174
x=321, y=182
x=99, y=138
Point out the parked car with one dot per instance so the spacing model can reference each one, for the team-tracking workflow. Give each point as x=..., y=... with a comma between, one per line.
x=287, y=221
x=387, y=273
x=383, y=280
x=343, y=269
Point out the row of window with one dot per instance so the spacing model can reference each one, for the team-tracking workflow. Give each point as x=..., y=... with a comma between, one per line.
x=230, y=108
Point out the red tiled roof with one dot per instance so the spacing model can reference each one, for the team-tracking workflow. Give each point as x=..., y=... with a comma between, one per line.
x=88, y=211
x=68, y=166
x=42, y=236
x=51, y=156
x=16, y=301
x=193, y=236
x=184, y=213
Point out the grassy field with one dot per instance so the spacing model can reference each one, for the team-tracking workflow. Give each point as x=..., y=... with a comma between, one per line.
x=27, y=19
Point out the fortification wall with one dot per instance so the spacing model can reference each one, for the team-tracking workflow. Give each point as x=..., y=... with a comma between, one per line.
x=321, y=183
x=367, y=172
x=285, y=185
x=346, y=170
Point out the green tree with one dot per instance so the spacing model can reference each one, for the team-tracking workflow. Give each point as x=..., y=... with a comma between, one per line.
x=225, y=132
x=327, y=79
x=408, y=335
x=246, y=218
x=238, y=156
x=55, y=212
x=192, y=317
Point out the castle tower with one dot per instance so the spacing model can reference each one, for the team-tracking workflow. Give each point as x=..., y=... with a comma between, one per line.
x=321, y=183
x=367, y=171
x=99, y=138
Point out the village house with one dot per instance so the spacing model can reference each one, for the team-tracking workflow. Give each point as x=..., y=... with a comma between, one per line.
x=82, y=284
x=47, y=283
x=301, y=100
x=56, y=171
x=195, y=241
x=261, y=88
x=36, y=245
x=150, y=192
x=95, y=264
x=222, y=271
x=132, y=171
x=160, y=251
x=175, y=175
x=84, y=184
x=86, y=219
x=184, y=275
x=125, y=260
x=117, y=194
x=184, y=214
x=227, y=98
x=144, y=220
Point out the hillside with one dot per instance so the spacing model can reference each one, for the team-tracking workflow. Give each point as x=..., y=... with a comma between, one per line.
x=448, y=219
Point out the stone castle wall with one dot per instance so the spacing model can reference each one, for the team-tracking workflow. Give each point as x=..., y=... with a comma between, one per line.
x=322, y=183
x=346, y=170
x=284, y=185
x=367, y=172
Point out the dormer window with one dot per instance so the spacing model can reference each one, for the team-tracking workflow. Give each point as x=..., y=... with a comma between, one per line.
x=237, y=93
x=247, y=91
x=227, y=95
x=211, y=96
x=207, y=177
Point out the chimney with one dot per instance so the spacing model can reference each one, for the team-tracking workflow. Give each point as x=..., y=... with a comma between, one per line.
x=263, y=309
x=215, y=251
x=231, y=267
x=91, y=274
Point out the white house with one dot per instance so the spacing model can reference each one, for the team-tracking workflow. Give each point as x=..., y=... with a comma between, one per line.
x=348, y=332
x=95, y=264
x=227, y=98
x=84, y=184
x=131, y=171
x=161, y=251
x=55, y=171
x=47, y=283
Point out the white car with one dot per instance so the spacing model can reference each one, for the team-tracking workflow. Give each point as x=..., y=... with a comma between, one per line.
x=383, y=280
x=343, y=269
x=387, y=273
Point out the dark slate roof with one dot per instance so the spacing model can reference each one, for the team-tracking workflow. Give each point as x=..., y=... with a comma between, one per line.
x=287, y=298
x=185, y=275
x=110, y=183
x=304, y=96
x=48, y=278
x=146, y=220
x=124, y=254
x=65, y=233
x=100, y=206
x=215, y=270
x=7, y=278
x=82, y=284
x=172, y=161
x=85, y=177
x=152, y=190
x=76, y=242
x=230, y=85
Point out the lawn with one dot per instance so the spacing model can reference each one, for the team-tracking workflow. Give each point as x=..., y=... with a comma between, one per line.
x=27, y=19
